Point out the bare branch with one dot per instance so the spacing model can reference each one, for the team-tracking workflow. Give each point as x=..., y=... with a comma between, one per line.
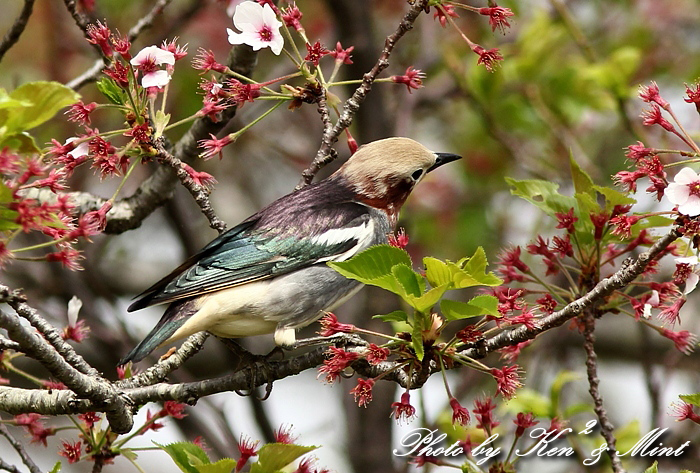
x=199, y=193
x=33, y=468
x=15, y=31
x=606, y=427
x=83, y=21
x=330, y=136
x=160, y=370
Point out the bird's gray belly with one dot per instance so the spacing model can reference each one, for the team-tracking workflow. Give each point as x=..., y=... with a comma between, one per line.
x=299, y=298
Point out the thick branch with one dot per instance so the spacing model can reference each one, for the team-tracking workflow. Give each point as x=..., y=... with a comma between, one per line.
x=330, y=136
x=12, y=36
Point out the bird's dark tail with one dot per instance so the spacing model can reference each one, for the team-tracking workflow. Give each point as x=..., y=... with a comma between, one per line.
x=174, y=317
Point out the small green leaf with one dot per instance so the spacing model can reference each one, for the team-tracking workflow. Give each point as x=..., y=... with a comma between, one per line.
x=583, y=183
x=411, y=281
x=161, y=121
x=273, y=457
x=436, y=272
x=543, y=194
x=693, y=399
x=225, y=465
x=46, y=98
x=614, y=197
x=396, y=316
x=56, y=468
x=480, y=305
x=128, y=453
x=562, y=379
x=426, y=301
x=529, y=400
x=186, y=455
x=575, y=409
x=420, y=323
x=111, y=90
x=653, y=468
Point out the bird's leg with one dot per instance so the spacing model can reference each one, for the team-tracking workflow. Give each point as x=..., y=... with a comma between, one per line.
x=251, y=361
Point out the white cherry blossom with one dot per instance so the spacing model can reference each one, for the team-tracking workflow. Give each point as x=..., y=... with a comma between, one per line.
x=684, y=192
x=258, y=25
x=148, y=59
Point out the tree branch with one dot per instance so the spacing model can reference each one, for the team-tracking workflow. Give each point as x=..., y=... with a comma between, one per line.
x=26, y=459
x=15, y=31
x=631, y=268
x=606, y=427
x=352, y=104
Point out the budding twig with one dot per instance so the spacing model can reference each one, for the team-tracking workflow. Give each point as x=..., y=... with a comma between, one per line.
x=13, y=34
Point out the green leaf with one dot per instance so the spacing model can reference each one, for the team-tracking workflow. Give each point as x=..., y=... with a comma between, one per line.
x=46, y=98
x=129, y=454
x=426, y=301
x=480, y=305
x=653, y=468
x=575, y=409
x=693, y=399
x=411, y=281
x=396, y=316
x=56, y=468
x=419, y=324
x=472, y=271
x=374, y=265
x=628, y=436
x=225, y=465
x=437, y=272
x=562, y=379
x=20, y=142
x=543, y=194
x=583, y=184
x=111, y=90
x=614, y=197
x=161, y=121
x=529, y=400
x=272, y=457
x=186, y=455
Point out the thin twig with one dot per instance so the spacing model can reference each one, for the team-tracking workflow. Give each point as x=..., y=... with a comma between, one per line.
x=352, y=104
x=15, y=300
x=83, y=22
x=606, y=427
x=26, y=459
x=200, y=194
x=15, y=31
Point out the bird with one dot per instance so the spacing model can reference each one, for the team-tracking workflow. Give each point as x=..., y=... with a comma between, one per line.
x=268, y=274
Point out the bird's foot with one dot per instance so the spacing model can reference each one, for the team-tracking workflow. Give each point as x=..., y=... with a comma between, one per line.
x=342, y=339
x=259, y=366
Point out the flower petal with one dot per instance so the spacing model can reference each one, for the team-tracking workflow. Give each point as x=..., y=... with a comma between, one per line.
x=691, y=207
x=159, y=56
x=691, y=283
x=248, y=16
x=677, y=193
x=686, y=176
x=156, y=79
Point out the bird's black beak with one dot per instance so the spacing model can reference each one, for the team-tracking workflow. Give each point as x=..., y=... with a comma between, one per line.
x=443, y=158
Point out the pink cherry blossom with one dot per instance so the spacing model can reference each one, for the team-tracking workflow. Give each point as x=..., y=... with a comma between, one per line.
x=258, y=25
x=147, y=61
x=684, y=192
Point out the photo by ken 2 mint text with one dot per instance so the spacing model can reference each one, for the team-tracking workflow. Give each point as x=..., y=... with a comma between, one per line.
x=426, y=442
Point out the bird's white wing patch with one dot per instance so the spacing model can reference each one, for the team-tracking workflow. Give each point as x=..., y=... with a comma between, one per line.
x=362, y=233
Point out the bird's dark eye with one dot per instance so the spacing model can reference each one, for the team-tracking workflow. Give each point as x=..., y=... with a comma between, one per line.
x=417, y=174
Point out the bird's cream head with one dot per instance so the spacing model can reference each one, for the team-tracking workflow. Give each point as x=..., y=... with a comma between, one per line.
x=384, y=172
